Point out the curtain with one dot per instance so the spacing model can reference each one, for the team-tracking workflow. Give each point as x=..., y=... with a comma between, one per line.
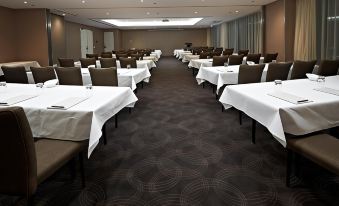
x=328, y=24
x=242, y=33
x=305, y=30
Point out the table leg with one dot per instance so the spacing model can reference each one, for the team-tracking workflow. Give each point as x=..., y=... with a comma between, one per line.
x=104, y=135
x=253, y=130
x=288, y=167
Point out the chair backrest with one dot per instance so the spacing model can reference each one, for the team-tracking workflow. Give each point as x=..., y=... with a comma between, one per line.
x=15, y=74
x=328, y=67
x=64, y=62
x=301, y=68
x=128, y=61
x=108, y=62
x=278, y=71
x=85, y=62
x=18, y=174
x=270, y=57
x=219, y=49
x=228, y=52
x=219, y=60
x=250, y=73
x=215, y=53
x=69, y=76
x=106, y=55
x=253, y=58
x=243, y=52
x=124, y=55
x=104, y=77
x=95, y=56
x=137, y=56
x=204, y=55
x=235, y=59
x=42, y=74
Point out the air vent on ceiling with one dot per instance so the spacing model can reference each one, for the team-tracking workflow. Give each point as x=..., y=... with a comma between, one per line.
x=165, y=20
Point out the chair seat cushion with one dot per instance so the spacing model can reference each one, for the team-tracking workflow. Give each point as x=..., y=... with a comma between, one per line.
x=53, y=154
x=323, y=149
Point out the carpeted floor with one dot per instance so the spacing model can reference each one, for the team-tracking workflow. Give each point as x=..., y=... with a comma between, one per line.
x=178, y=148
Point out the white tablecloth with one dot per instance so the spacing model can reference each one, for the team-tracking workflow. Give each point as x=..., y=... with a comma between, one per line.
x=175, y=52
x=222, y=75
x=280, y=116
x=189, y=57
x=126, y=77
x=183, y=54
x=179, y=54
x=140, y=64
x=198, y=63
x=80, y=122
x=26, y=64
x=157, y=53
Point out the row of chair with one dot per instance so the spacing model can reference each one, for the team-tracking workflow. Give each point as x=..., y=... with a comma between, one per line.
x=237, y=59
x=104, y=62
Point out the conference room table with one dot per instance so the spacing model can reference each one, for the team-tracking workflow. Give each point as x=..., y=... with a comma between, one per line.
x=221, y=75
x=140, y=64
x=179, y=54
x=82, y=117
x=157, y=53
x=175, y=52
x=198, y=63
x=188, y=57
x=296, y=107
x=126, y=77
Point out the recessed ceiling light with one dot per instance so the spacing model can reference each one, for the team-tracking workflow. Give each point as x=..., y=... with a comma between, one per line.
x=141, y=1
x=153, y=22
x=195, y=12
x=236, y=11
x=64, y=14
x=107, y=13
x=83, y=1
x=25, y=2
x=148, y=13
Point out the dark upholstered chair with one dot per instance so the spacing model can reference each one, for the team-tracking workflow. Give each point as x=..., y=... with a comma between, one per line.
x=25, y=163
x=137, y=56
x=219, y=49
x=108, y=62
x=204, y=55
x=301, y=68
x=278, y=71
x=328, y=67
x=128, y=61
x=321, y=149
x=15, y=74
x=243, y=52
x=85, y=62
x=215, y=53
x=104, y=77
x=253, y=58
x=270, y=57
x=228, y=52
x=69, y=76
x=250, y=73
x=42, y=74
x=95, y=56
x=124, y=55
x=106, y=55
x=235, y=59
x=219, y=60
x=63, y=62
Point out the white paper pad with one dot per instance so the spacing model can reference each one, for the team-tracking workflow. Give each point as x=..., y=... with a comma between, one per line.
x=68, y=103
x=328, y=90
x=288, y=97
x=16, y=99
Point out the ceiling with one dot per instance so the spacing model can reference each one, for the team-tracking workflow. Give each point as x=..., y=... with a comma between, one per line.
x=92, y=11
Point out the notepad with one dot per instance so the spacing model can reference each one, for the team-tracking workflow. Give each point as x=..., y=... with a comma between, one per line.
x=289, y=97
x=68, y=103
x=328, y=90
x=16, y=99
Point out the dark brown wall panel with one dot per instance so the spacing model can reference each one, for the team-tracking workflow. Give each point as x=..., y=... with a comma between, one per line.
x=58, y=38
x=7, y=38
x=166, y=40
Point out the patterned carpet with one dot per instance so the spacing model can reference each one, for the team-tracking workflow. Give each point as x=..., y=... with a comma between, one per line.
x=178, y=148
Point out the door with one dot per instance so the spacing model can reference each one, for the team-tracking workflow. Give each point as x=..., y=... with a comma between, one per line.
x=86, y=37
x=108, y=41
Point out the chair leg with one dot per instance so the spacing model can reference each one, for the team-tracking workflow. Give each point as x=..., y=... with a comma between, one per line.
x=30, y=200
x=142, y=84
x=253, y=130
x=116, y=120
x=240, y=117
x=216, y=96
x=72, y=167
x=104, y=135
x=82, y=170
x=130, y=110
x=288, y=167
x=203, y=85
x=192, y=71
x=222, y=108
